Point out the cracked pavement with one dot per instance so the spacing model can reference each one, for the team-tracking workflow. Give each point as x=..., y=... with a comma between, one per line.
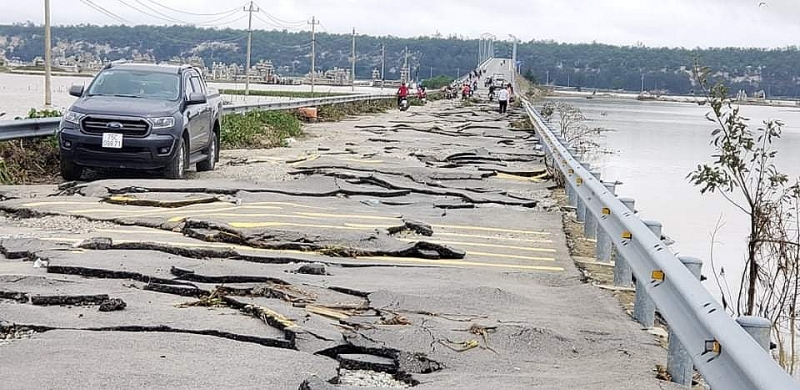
x=445, y=265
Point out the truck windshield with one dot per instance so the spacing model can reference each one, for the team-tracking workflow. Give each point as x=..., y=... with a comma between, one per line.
x=137, y=84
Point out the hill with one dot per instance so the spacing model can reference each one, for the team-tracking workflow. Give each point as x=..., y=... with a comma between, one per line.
x=585, y=65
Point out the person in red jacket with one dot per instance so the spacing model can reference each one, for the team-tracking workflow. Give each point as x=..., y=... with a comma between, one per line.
x=402, y=93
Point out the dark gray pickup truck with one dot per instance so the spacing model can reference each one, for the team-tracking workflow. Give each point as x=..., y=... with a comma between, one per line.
x=141, y=116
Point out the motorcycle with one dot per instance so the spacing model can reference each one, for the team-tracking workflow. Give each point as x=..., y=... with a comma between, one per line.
x=403, y=106
x=491, y=96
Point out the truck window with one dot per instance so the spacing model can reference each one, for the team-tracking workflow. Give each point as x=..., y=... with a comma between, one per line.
x=197, y=86
x=137, y=84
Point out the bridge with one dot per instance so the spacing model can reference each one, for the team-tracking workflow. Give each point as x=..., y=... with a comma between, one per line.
x=428, y=245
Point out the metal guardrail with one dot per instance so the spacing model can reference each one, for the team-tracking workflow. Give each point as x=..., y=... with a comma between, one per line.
x=35, y=128
x=725, y=355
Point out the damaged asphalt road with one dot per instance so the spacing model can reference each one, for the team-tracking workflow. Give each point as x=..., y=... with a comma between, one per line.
x=421, y=244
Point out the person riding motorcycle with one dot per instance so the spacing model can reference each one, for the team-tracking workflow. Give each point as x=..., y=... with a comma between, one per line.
x=421, y=94
x=491, y=92
x=402, y=93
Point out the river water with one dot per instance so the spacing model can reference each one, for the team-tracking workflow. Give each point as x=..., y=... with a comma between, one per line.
x=19, y=93
x=654, y=145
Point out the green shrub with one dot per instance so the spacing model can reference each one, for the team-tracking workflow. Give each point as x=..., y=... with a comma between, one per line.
x=289, y=94
x=258, y=129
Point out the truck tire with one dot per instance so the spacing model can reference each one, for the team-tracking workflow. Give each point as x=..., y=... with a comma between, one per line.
x=70, y=170
x=212, y=151
x=177, y=167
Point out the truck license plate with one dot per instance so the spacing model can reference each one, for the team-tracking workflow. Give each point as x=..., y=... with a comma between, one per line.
x=112, y=140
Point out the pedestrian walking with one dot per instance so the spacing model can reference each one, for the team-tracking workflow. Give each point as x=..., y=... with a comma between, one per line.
x=502, y=98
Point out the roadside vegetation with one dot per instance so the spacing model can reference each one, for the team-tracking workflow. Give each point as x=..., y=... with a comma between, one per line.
x=438, y=82
x=259, y=129
x=30, y=161
x=289, y=94
x=743, y=170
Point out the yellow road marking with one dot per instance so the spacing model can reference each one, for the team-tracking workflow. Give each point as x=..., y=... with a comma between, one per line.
x=461, y=263
x=518, y=257
x=290, y=204
x=490, y=229
x=362, y=226
x=245, y=225
x=361, y=160
x=309, y=158
x=353, y=216
x=520, y=248
x=381, y=258
x=57, y=203
x=143, y=231
x=507, y=176
x=500, y=238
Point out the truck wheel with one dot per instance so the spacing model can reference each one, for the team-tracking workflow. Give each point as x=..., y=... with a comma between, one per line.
x=176, y=168
x=70, y=171
x=212, y=150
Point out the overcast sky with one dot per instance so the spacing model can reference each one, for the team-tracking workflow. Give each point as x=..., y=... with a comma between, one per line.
x=687, y=23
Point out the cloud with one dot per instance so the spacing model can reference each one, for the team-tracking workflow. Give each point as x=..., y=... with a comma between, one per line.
x=687, y=23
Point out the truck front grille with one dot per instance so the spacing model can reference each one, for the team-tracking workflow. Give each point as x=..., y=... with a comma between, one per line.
x=128, y=127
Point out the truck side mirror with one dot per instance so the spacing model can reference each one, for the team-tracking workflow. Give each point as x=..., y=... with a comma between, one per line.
x=196, y=98
x=76, y=90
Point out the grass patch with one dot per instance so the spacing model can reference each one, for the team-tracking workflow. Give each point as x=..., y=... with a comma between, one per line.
x=337, y=112
x=290, y=94
x=259, y=129
x=30, y=161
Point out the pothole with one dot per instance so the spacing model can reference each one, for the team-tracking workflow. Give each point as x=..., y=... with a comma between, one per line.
x=369, y=378
x=11, y=333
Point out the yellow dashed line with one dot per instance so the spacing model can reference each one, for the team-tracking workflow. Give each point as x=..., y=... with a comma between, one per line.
x=499, y=238
x=143, y=231
x=245, y=225
x=381, y=258
x=490, y=229
x=290, y=204
x=353, y=216
x=520, y=248
x=462, y=263
x=37, y=204
x=361, y=160
x=362, y=226
x=517, y=257
x=533, y=179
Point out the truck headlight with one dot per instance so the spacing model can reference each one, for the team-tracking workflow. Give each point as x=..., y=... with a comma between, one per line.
x=163, y=123
x=73, y=117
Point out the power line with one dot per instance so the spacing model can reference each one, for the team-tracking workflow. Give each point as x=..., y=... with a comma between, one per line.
x=276, y=25
x=210, y=22
x=194, y=13
x=283, y=22
x=106, y=12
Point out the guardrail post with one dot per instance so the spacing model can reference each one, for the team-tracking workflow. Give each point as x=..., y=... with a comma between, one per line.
x=580, y=205
x=623, y=275
x=644, y=310
x=679, y=362
x=758, y=328
x=603, y=245
x=590, y=224
x=568, y=187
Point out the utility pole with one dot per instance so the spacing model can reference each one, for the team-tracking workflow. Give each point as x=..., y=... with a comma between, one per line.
x=431, y=72
x=353, y=64
x=408, y=71
x=47, y=70
x=514, y=62
x=642, y=83
x=314, y=23
x=458, y=72
x=383, y=65
x=249, y=43
x=548, y=78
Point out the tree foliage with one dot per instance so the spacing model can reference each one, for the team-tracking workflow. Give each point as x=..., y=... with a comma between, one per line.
x=579, y=65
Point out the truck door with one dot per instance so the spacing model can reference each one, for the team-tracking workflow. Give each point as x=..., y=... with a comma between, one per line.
x=199, y=114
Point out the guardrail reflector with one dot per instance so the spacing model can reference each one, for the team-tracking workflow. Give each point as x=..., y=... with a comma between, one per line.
x=571, y=171
x=658, y=275
x=627, y=235
x=579, y=181
x=713, y=346
x=606, y=211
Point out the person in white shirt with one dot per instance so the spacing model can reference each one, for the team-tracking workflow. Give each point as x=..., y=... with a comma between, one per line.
x=502, y=97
